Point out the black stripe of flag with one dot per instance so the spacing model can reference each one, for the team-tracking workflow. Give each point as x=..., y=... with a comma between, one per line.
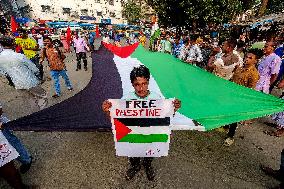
x=145, y=122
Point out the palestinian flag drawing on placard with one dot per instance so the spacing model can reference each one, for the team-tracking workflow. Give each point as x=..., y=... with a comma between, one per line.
x=149, y=129
x=141, y=136
x=137, y=141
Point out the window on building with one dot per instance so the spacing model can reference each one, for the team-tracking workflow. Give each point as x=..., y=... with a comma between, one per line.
x=66, y=10
x=111, y=2
x=75, y=14
x=84, y=12
x=112, y=14
x=26, y=9
x=97, y=1
x=45, y=8
x=99, y=13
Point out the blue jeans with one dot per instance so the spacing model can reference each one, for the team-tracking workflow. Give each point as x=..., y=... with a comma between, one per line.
x=24, y=157
x=282, y=163
x=55, y=76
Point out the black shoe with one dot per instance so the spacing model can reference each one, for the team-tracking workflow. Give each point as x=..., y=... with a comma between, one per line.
x=273, y=173
x=70, y=89
x=86, y=69
x=11, y=84
x=55, y=96
x=150, y=173
x=131, y=172
x=26, y=167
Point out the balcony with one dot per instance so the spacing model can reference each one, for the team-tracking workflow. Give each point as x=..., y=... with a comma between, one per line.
x=66, y=10
x=84, y=12
x=112, y=14
x=45, y=8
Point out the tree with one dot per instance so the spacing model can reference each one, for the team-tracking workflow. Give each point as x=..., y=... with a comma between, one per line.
x=262, y=8
x=275, y=6
x=200, y=12
x=249, y=4
x=188, y=13
x=131, y=11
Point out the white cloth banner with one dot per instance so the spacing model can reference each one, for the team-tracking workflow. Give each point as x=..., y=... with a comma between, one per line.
x=7, y=152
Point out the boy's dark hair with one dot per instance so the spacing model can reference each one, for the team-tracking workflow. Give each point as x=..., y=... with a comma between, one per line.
x=232, y=43
x=241, y=44
x=46, y=37
x=186, y=41
x=6, y=41
x=141, y=71
x=257, y=52
x=193, y=37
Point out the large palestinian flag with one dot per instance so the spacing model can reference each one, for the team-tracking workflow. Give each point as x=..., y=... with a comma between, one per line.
x=210, y=100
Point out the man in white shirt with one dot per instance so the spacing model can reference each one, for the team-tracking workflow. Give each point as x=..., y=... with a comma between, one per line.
x=225, y=66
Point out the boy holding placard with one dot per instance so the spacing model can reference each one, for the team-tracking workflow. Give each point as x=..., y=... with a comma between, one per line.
x=140, y=77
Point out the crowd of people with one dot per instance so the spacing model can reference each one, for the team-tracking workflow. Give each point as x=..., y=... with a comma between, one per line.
x=233, y=59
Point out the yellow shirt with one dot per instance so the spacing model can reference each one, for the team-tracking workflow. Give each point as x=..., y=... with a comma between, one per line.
x=27, y=43
x=247, y=77
x=142, y=40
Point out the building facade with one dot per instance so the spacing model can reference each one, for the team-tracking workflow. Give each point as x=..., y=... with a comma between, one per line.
x=9, y=7
x=93, y=11
x=146, y=10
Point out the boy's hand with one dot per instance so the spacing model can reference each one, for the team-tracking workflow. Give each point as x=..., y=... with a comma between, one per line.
x=177, y=104
x=196, y=123
x=106, y=106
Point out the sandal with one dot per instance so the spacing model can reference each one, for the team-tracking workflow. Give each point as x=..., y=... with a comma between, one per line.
x=246, y=122
x=277, y=133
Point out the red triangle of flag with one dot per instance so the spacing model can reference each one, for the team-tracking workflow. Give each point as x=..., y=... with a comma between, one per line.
x=122, y=52
x=14, y=25
x=121, y=129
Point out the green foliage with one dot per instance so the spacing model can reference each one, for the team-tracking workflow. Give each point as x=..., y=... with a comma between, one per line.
x=249, y=4
x=187, y=12
x=275, y=6
x=132, y=12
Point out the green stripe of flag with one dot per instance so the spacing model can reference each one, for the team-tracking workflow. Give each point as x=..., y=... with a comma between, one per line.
x=210, y=100
x=139, y=138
